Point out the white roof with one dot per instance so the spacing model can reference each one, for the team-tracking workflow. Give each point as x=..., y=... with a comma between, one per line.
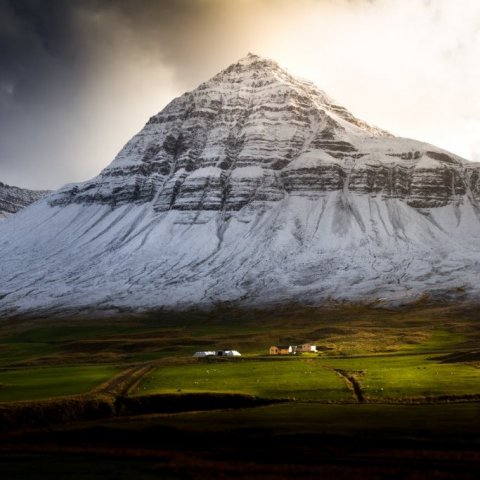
x=203, y=354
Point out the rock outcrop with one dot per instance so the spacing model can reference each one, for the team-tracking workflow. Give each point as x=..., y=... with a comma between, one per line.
x=13, y=199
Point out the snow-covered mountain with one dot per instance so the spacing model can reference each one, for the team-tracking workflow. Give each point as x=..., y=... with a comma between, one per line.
x=13, y=199
x=255, y=188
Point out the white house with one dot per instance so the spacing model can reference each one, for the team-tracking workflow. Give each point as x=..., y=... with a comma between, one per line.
x=305, y=347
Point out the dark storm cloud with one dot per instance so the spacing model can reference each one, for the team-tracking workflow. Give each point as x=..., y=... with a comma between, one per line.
x=57, y=55
x=79, y=77
x=50, y=40
x=37, y=44
x=40, y=69
x=54, y=54
x=45, y=40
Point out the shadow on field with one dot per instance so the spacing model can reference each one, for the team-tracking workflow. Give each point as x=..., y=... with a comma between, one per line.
x=20, y=415
x=151, y=449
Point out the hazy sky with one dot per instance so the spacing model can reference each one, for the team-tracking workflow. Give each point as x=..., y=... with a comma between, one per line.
x=79, y=77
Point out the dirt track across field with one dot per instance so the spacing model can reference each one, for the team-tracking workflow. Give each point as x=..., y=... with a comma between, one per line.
x=127, y=380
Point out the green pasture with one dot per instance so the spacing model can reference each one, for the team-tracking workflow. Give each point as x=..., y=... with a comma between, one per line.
x=389, y=352
x=13, y=352
x=295, y=378
x=342, y=331
x=48, y=382
x=35, y=345
x=392, y=376
x=405, y=376
x=386, y=339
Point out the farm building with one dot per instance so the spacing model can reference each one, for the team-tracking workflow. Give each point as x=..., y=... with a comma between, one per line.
x=292, y=349
x=306, y=347
x=281, y=350
x=218, y=353
x=204, y=354
x=228, y=353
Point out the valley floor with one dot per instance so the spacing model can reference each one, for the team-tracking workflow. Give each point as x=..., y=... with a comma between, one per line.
x=391, y=395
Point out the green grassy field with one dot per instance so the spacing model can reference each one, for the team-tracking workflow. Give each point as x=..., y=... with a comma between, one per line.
x=315, y=379
x=49, y=382
x=406, y=376
x=270, y=378
x=389, y=350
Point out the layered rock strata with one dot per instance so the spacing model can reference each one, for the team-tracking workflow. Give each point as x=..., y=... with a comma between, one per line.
x=253, y=132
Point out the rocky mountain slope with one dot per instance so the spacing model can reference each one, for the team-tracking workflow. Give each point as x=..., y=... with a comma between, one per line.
x=13, y=199
x=255, y=188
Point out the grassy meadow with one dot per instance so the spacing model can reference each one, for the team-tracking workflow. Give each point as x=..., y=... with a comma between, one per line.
x=48, y=382
x=268, y=378
x=410, y=376
x=390, y=354
x=392, y=377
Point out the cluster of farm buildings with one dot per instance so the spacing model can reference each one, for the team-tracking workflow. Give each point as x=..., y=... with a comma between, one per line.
x=292, y=349
x=274, y=350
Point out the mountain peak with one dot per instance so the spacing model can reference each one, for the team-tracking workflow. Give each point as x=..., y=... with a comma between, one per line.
x=264, y=78
x=253, y=58
x=253, y=188
x=252, y=64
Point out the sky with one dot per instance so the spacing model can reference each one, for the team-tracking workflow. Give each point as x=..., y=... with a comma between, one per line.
x=78, y=78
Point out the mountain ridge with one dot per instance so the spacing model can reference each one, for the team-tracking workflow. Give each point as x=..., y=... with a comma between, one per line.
x=13, y=199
